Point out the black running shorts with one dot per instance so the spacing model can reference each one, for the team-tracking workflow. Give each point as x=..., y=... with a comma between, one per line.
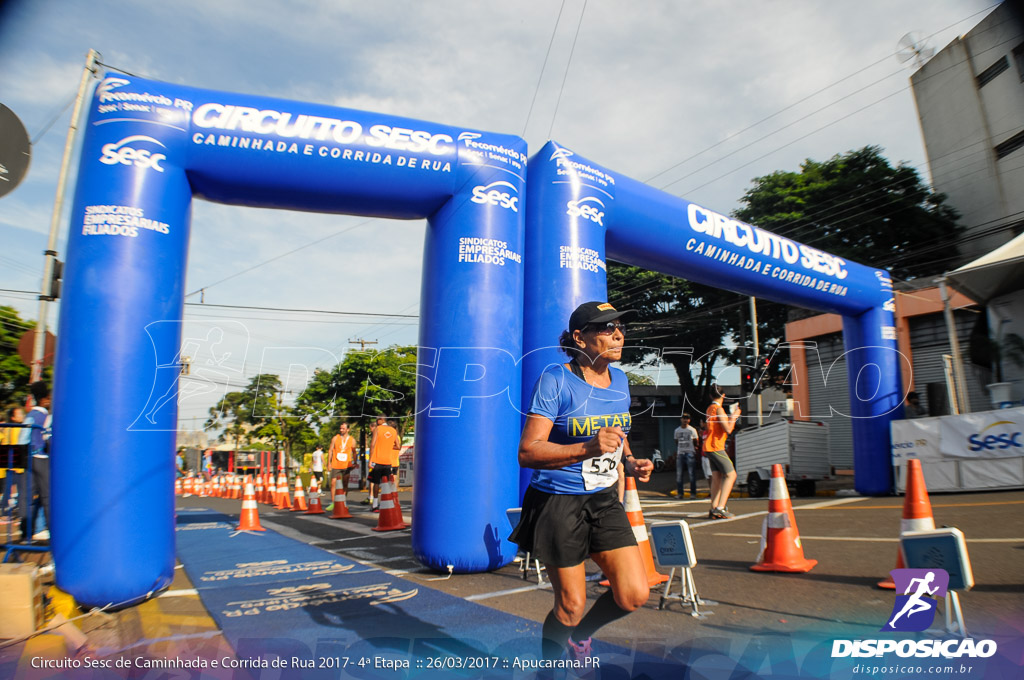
x=378, y=472
x=562, y=530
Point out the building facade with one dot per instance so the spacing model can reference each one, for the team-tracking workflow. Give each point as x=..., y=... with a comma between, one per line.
x=970, y=101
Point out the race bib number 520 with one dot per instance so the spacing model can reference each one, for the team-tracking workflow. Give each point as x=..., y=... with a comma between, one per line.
x=601, y=472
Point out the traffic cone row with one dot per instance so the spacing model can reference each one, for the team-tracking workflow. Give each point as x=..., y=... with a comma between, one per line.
x=917, y=512
x=780, y=540
x=631, y=502
x=390, y=518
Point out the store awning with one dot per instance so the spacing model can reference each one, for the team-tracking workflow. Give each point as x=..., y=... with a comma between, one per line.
x=996, y=273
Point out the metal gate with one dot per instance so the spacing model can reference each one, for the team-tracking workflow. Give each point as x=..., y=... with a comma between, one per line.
x=829, y=393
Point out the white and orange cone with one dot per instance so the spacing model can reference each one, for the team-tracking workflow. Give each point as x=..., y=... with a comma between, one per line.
x=631, y=501
x=300, y=496
x=271, y=491
x=282, y=488
x=917, y=512
x=315, y=508
x=284, y=500
x=390, y=517
x=177, y=486
x=250, y=519
x=340, y=502
x=781, y=549
x=187, y=486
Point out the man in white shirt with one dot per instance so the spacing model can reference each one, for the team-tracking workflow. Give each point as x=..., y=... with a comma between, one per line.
x=687, y=441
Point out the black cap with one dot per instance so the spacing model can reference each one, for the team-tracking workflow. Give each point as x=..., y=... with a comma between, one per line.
x=595, y=312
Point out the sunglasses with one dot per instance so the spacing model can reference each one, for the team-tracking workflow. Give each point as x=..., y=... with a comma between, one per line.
x=606, y=328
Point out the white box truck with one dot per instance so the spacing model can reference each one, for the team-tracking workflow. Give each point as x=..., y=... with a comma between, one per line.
x=800, y=446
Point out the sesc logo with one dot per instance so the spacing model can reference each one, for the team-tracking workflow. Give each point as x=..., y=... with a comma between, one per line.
x=490, y=195
x=997, y=441
x=585, y=207
x=122, y=153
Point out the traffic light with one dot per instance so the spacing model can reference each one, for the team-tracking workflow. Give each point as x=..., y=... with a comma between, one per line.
x=746, y=380
x=56, y=273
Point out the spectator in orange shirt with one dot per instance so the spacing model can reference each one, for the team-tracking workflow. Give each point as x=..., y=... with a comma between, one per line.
x=384, y=452
x=723, y=473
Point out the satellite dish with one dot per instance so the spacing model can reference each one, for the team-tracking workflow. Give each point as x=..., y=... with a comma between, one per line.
x=15, y=151
x=914, y=46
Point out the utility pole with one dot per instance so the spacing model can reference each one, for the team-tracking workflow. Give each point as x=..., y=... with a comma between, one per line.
x=362, y=422
x=362, y=343
x=50, y=264
x=757, y=360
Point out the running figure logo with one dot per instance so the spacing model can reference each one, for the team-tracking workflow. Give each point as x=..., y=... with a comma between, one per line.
x=915, y=608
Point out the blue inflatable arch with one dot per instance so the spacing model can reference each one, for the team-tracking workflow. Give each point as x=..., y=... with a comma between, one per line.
x=148, y=149
x=580, y=214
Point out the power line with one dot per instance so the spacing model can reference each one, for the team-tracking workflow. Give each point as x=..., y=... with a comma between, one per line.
x=278, y=257
x=565, y=76
x=808, y=115
x=304, y=311
x=540, y=78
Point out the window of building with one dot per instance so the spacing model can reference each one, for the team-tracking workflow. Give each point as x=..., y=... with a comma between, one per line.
x=1018, y=59
x=986, y=76
x=1010, y=145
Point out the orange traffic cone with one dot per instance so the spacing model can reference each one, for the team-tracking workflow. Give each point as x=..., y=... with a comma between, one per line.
x=340, y=503
x=282, y=482
x=631, y=501
x=284, y=501
x=186, y=486
x=300, y=496
x=236, y=487
x=250, y=519
x=315, y=508
x=390, y=517
x=917, y=512
x=780, y=540
x=261, y=493
x=177, y=487
x=272, y=492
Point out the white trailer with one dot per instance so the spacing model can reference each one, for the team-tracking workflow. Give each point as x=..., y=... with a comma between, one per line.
x=800, y=446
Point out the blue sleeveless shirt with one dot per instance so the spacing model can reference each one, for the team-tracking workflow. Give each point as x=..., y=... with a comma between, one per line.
x=578, y=410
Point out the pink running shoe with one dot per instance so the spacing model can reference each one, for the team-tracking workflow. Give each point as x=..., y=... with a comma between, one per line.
x=580, y=651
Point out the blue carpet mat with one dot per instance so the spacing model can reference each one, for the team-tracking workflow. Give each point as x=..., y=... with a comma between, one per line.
x=315, y=614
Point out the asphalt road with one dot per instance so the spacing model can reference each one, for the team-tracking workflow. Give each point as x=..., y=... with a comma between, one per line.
x=853, y=538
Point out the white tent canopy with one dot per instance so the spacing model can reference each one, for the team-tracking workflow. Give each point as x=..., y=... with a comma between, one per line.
x=993, y=274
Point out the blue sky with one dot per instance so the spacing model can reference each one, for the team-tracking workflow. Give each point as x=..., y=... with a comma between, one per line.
x=697, y=97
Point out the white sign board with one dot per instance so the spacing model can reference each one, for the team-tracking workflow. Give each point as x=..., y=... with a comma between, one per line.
x=982, y=450
x=989, y=434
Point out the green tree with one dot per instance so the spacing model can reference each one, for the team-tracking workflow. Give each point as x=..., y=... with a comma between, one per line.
x=365, y=383
x=258, y=413
x=14, y=373
x=679, y=322
x=858, y=206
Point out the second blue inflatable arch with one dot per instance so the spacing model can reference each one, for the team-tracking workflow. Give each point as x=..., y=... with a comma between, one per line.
x=580, y=215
